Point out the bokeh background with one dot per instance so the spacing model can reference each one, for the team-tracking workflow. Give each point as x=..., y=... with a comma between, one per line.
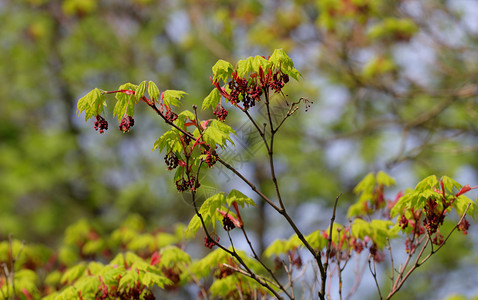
x=393, y=85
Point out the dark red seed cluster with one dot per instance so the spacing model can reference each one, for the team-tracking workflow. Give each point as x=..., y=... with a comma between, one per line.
x=438, y=239
x=183, y=184
x=403, y=222
x=223, y=272
x=101, y=124
x=186, y=139
x=377, y=255
x=220, y=112
x=434, y=216
x=211, y=158
x=243, y=91
x=126, y=123
x=463, y=226
x=171, y=160
x=278, y=81
x=295, y=259
x=357, y=245
x=173, y=275
x=410, y=246
x=228, y=224
x=209, y=242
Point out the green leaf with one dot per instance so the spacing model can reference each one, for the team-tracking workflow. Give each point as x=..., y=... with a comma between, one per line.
x=172, y=97
x=139, y=93
x=239, y=198
x=385, y=179
x=92, y=104
x=141, y=242
x=128, y=279
x=449, y=184
x=293, y=242
x=260, y=61
x=428, y=183
x=405, y=202
x=208, y=212
x=204, y=267
x=88, y=286
x=276, y=248
x=193, y=227
x=153, y=91
x=381, y=231
x=212, y=100
x=172, y=256
x=125, y=103
x=73, y=273
x=222, y=70
x=150, y=279
x=366, y=185
x=317, y=240
x=281, y=60
x=93, y=246
x=461, y=203
x=245, y=66
x=183, y=117
x=217, y=133
x=378, y=230
x=169, y=140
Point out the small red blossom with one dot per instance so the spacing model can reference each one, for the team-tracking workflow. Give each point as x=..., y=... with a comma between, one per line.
x=155, y=258
x=465, y=189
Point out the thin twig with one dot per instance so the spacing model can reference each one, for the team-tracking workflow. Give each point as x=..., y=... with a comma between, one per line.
x=329, y=247
x=401, y=279
x=291, y=296
x=374, y=274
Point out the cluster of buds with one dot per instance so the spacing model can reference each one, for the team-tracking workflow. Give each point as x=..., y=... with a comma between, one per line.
x=278, y=81
x=126, y=123
x=242, y=90
x=101, y=124
x=171, y=160
x=211, y=158
x=434, y=216
x=209, y=242
x=220, y=112
x=184, y=184
x=227, y=223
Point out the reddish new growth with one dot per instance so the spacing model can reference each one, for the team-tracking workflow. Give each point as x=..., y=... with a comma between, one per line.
x=126, y=123
x=170, y=115
x=209, y=242
x=220, y=112
x=171, y=160
x=101, y=124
